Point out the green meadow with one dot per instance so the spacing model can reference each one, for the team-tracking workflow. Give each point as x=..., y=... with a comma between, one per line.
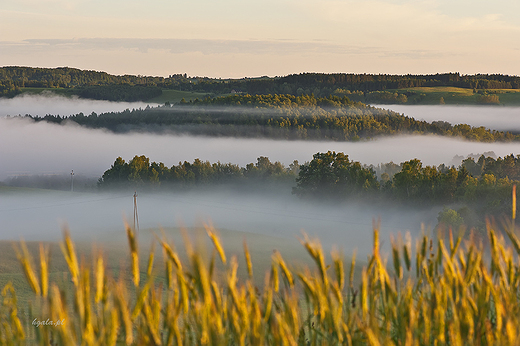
x=458, y=96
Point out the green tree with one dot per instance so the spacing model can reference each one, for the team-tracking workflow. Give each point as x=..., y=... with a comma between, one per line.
x=407, y=181
x=139, y=167
x=449, y=218
x=333, y=174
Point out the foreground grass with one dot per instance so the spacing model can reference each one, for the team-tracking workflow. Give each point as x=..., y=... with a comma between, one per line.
x=445, y=292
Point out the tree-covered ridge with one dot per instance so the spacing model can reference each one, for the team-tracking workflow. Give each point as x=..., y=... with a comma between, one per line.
x=372, y=82
x=119, y=92
x=87, y=83
x=66, y=77
x=278, y=116
x=12, y=78
x=324, y=84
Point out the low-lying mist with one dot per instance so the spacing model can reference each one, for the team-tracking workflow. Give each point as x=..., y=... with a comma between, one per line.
x=50, y=103
x=99, y=217
x=493, y=117
x=28, y=148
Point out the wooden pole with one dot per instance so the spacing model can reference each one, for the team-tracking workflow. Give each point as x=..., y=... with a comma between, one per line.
x=136, y=217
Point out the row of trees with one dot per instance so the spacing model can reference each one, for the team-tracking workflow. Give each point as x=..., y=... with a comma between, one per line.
x=66, y=77
x=330, y=175
x=372, y=82
x=119, y=92
x=322, y=84
x=278, y=116
x=477, y=189
x=141, y=172
x=487, y=184
x=334, y=175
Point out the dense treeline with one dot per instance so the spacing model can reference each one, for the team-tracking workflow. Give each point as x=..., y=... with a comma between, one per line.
x=319, y=84
x=278, y=116
x=334, y=175
x=120, y=92
x=88, y=84
x=140, y=172
x=8, y=88
x=370, y=82
x=66, y=77
x=479, y=188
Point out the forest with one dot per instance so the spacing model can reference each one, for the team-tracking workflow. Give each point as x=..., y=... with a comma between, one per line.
x=13, y=78
x=277, y=116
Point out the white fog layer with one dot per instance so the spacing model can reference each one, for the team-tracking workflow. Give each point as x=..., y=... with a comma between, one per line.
x=492, y=117
x=49, y=103
x=28, y=148
x=40, y=216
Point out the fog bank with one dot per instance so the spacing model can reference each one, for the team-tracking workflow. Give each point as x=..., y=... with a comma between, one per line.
x=492, y=117
x=49, y=103
x=28, y=148
x=40, y=216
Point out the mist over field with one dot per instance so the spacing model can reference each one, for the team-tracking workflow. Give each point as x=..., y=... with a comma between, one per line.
x=50, y=103
x=492, y=117
x=31, y=149
x=99, y=217
x=28, y=148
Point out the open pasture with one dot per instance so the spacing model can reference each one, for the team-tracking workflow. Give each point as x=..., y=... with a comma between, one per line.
x=457, y=96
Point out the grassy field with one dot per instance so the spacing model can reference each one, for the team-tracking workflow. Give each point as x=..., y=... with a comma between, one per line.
x=457, y=96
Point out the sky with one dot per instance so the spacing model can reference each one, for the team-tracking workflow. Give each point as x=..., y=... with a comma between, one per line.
x=234, y=39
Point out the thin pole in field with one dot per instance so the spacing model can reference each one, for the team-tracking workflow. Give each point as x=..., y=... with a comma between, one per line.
x=136, y=217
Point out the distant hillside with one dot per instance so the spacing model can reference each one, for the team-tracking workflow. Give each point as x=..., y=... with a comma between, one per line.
x=277, y=116
x=372, y=88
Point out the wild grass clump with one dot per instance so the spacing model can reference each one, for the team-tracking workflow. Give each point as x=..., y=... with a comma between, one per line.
x=442, y=292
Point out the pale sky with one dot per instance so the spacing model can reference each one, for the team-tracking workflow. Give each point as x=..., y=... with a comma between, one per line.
x=232, y=38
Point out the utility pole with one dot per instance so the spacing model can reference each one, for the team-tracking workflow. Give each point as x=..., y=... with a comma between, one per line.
x=136, y=217
x=72, y=181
